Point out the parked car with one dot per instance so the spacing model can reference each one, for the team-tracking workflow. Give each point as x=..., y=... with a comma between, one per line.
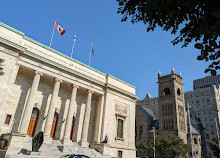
x=74, y=156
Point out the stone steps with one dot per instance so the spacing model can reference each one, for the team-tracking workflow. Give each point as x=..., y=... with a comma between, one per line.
x=53, y=149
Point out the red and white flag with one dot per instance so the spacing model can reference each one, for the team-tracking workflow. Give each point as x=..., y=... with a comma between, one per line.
x=59, y=28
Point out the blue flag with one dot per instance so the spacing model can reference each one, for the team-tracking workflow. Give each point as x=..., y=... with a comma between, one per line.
x=92, y=50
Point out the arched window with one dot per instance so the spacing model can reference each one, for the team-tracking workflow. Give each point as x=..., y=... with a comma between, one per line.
x=166, y=91
x=178, y=91
x=195, y=141
x=140, y=132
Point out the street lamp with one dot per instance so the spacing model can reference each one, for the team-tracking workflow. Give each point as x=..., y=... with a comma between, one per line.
x=153, y=131
x=188, y=113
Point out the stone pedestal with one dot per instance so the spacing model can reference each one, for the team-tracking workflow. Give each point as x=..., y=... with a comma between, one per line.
x=67, y=142
x=19, y=144
x=102, y=148
x=47, y=140
x=36, y=155
x=83, y=143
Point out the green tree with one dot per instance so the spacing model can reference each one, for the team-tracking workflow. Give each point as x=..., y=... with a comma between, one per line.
x=169, y=146
x=214, y=146
x=1, y=69
x=193, y=20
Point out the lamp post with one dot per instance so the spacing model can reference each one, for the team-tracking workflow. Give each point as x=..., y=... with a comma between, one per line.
x=191, y=141
x=153, y=131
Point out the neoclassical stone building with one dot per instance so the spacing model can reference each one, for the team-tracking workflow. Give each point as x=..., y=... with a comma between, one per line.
x=44, y=90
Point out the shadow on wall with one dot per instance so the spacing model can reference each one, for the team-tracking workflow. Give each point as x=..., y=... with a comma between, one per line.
x=25, y=88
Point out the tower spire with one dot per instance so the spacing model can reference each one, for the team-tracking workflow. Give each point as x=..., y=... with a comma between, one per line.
x=173, y=71
x=180, y=74
x=159, y=74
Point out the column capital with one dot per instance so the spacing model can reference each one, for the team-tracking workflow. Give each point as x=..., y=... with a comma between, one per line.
x=58, y=80
x=90, y=91
x=75, y=86
x=38, y=72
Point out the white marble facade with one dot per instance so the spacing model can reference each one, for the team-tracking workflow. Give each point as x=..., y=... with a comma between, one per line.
x=42, y=78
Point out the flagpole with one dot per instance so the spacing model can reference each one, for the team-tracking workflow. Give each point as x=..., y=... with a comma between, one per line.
x=90, y=56
x=72, y=51
x=74, y=40
x=52, y=33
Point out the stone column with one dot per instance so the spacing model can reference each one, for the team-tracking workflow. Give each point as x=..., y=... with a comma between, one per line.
x=70, y=114
x=98, y=124
x=29, y=107
x=83, y=141
x=51, y=111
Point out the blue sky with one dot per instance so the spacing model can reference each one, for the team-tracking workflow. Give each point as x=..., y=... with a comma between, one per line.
x=123, y=50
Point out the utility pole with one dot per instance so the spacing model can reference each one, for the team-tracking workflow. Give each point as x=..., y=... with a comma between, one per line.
x=191, y=141
x=217, y=130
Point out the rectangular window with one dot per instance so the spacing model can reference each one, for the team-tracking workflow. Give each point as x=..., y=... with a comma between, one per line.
x=119, y=154
x=8, y=119
x=120, y=128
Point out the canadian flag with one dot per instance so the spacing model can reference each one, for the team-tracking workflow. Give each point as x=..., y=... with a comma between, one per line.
x=59, y=28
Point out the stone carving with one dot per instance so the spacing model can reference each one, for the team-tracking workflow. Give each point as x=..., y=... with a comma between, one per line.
x=120, y=109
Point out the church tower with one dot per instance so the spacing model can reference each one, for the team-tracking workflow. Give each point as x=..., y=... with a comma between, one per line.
x=172, y=113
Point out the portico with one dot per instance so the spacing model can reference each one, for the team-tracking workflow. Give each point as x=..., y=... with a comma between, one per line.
x=45, y=90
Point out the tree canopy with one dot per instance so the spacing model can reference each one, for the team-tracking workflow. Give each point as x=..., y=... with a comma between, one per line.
x=214, y=146
x=169, y=146
x=193, y=20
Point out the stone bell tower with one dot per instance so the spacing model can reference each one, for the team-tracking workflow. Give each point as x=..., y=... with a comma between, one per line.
x=172, y=113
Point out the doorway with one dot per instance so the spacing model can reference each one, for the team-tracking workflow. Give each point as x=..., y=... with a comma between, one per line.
x=54, y=125
x=33, y=122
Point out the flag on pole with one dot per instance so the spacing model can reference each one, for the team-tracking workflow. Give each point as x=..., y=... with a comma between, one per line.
x=59, y=28
x=92, y=50
x=74, y=41
x=91, y=53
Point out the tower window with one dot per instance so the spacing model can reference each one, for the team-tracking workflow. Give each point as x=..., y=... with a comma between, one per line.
x=140, y=132
x=178, y=91
x=8, y=119
x=166, y=91
x=195, y=141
